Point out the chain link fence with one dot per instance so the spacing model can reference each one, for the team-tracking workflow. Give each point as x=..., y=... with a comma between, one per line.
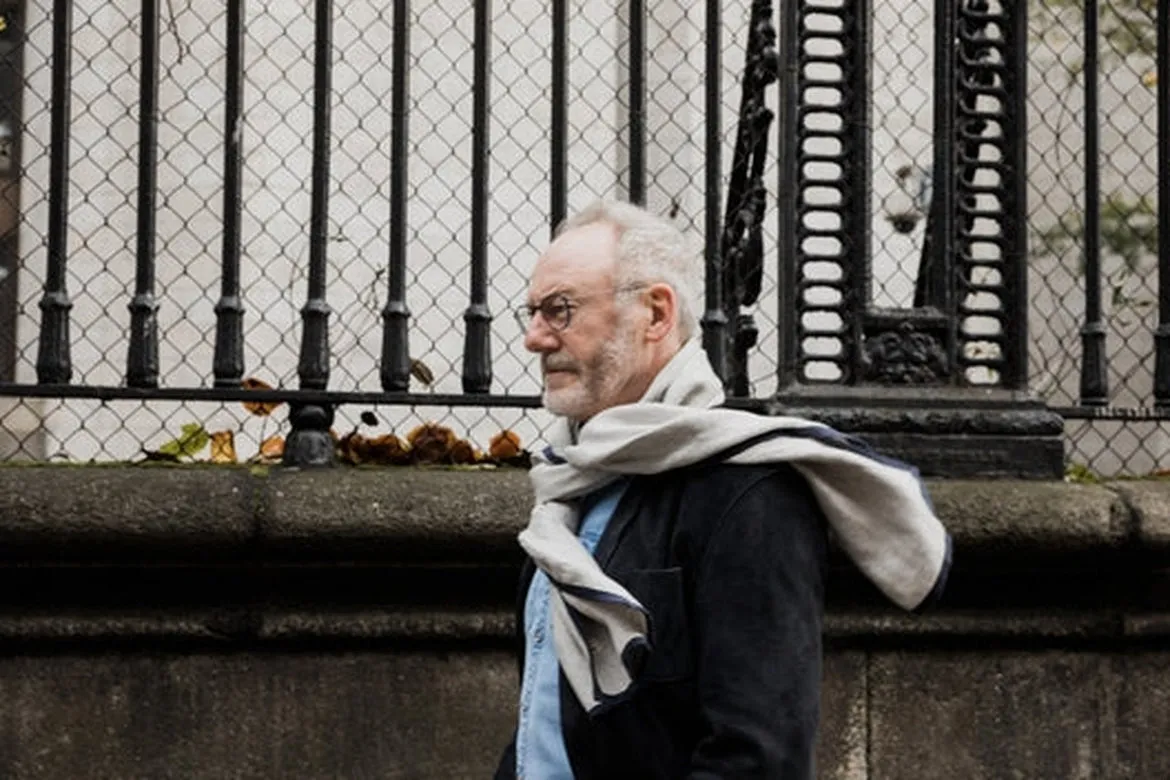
x=1126, y=79
x=277, y=143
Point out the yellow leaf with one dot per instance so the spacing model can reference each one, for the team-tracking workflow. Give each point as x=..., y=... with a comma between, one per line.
x=259, y=408
x=223, y=447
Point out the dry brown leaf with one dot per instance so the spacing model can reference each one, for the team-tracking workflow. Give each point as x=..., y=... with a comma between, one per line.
x=387, y=449
x=271, y=449
x=350, y=449
x=223, y=447
x=431, y=443
x=422, y=372
x=504, y=445
x=462, y=452
x=259, y=408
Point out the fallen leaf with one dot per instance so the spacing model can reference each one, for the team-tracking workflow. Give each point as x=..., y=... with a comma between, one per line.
x=462, y=452
x=192, y=439
x=387, y=449
x=223, y=447
x=431, y=443
x=422, y=372
x=504, y=445
x=351, y=448
x=271, y=449
x=259, y=408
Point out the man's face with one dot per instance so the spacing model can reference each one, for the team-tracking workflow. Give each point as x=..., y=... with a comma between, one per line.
x=588, y=365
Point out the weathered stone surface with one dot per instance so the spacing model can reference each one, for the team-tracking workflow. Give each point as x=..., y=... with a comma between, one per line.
x=1142, y=685
x=416, y=511
x=77, y=510
x=406, y=512
x=417, y=563
x=1150, y=503
x=1010, y=515
x=841, y=743
x=988, y=715
x=339, y=715
x=972, y=457
x=861, y=626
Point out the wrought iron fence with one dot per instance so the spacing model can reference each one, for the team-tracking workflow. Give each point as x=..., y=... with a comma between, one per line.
x=900, y=207
x=1100, y=145
x=242, y=221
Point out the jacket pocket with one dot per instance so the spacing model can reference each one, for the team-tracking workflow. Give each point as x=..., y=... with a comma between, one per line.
x=661, y=592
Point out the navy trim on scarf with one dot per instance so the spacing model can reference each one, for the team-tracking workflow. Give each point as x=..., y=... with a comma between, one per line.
x=590, y=594
x=940, y=584
x=831, y=437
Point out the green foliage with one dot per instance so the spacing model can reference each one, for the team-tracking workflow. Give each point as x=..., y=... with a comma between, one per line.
x=1080, y=473
x=1129, y=230
x=192, y=439
x=1126, y=26
x=1129, y=225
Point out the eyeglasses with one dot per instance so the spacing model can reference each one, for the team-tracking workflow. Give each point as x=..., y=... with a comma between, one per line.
x=557, y=309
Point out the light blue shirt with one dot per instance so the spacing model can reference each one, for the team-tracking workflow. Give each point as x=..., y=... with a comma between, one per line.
x=540, y=746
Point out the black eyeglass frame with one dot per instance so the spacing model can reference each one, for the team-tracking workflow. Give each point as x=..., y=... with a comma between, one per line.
x=557, y=309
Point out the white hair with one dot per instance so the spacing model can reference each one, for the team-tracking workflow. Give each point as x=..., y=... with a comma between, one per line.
x=650, y=250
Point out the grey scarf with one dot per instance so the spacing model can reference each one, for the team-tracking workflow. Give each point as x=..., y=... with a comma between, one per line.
x=877, y=508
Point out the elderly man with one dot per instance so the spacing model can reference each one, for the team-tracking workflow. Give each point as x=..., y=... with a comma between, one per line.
x=669, y=615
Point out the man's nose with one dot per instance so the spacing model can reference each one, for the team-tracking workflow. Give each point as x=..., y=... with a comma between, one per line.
x=539, y=337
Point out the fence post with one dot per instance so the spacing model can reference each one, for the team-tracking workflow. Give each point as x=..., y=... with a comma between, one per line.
x=11, y=113
x=309, y=443
x=942, y=383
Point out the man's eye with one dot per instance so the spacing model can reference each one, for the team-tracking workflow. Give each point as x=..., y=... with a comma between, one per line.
x=556, y=311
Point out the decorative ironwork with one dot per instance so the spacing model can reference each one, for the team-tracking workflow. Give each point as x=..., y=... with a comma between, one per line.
x=825, y=158
x=970, y=289
x=990, y=192
x=742, y=243
x=310, y=443
x=905, y=356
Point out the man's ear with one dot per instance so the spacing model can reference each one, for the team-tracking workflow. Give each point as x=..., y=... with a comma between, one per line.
x=663, y=304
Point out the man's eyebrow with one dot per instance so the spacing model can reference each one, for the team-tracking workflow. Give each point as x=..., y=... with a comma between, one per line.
x=565, y=291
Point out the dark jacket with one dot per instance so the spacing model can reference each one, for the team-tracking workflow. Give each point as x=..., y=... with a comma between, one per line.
x=731, y=562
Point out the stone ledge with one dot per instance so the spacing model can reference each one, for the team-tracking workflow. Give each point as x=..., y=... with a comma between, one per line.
x=402, y=513
x=1149, y=503
x=399, y=623
x=70, y=512
x=391, y=623
x=160, y=514
x=1026, y=517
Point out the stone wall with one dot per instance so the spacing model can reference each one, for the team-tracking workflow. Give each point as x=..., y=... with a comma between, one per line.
x=209, y=622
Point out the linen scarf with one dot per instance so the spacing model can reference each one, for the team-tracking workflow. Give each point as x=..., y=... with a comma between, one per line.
x=876, y=507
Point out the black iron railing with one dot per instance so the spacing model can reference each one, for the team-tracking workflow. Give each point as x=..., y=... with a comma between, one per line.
x=952, y=364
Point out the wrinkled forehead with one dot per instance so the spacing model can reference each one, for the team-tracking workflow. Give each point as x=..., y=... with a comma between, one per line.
x=580, y=261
